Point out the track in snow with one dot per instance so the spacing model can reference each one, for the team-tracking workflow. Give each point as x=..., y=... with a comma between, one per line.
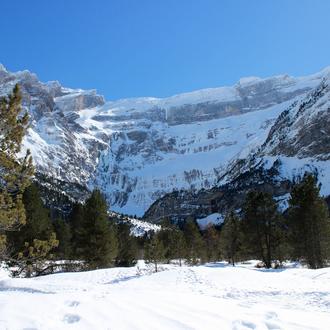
x=214, y=296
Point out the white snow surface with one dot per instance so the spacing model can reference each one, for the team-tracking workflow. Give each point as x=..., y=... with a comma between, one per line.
x=211, y=219
x=293, y=168
x=139, y=227
x=213, y=296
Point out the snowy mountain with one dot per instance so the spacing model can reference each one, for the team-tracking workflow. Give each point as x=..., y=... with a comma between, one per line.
x=138, y=150
x=298, y=141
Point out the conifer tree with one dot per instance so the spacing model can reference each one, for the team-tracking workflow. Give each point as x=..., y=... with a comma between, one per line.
x=127, y=246
x=177, y=245
x=165, y=236
x=98, y=237
x=155, y=251
x=63, y=234
x=36, y=257
x=15, y=173
x=261, y=226
x=212, y=243
x=32, y=246
x=75, y=220
x=195, y=245
x=38, y=224
x=309, y=223
x=230, y=237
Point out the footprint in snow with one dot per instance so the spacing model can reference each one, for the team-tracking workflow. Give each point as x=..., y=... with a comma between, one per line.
x=243, y=325
x=271, y=315
x=71, y=318
x=72, y=303
x=272, y=326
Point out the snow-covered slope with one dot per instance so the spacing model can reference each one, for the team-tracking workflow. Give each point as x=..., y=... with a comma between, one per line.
x=137, y=227
x=137, y=150
x=298, y=141
x=214, y=296
x=212, y=219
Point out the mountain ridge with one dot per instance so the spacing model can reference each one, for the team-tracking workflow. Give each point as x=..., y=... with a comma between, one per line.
x=138, y=150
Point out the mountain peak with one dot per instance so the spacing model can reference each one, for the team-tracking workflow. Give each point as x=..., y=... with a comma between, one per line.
x=3, y=68
x=248, y=80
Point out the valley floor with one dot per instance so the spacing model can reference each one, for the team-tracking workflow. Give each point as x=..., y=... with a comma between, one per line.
x=213, y=296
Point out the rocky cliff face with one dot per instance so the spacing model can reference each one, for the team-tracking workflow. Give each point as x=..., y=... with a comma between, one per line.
x=303, y=130
x=298, y=141
x=63, y=151
x=187, y=142
x=138, y=150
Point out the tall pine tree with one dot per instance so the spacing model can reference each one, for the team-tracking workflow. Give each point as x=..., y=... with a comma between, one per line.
x=15, y=173
x=212, y=243
x=99, y=245
x=63, y=234
x=32, y=247
x=38, y=224
x=127, y=246
x=309, y=223
x=75, y=220
x=155, y=251
x=230, y=237
x=195, y=245
x=177, y=245
x=261, y=226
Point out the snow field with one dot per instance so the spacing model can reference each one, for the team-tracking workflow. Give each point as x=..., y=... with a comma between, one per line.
x=213, y=296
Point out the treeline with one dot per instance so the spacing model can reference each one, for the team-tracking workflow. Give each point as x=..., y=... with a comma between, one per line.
x=86, y=239
x=258, y=231
x=89, y=239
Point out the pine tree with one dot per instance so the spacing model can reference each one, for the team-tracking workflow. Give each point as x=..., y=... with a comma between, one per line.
x=15, y=172
x=309, y=223
x=75, y=220
x=127, y=246
x=100, y=246
x=32, y=246
x=195, y=251
x=165, y=235
x=261, y=226
x=177, y=245
x=230, y=237
x=63, y=234
x=155, y=251
x=212, y=243
x=35, y=258
x=38, y=224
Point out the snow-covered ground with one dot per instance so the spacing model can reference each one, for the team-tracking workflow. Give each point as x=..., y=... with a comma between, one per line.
x=214, y=296
x=212, y=219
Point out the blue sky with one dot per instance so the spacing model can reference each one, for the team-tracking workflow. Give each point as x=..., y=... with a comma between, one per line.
x=128, y=48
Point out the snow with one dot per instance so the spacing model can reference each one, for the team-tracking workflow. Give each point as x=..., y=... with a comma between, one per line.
x=213, y=296
x=2, y=68
x=211, y=219
x=293, y=168
x=197, y=160
x=249, y=80
x=139, y=227
x=283, y=202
